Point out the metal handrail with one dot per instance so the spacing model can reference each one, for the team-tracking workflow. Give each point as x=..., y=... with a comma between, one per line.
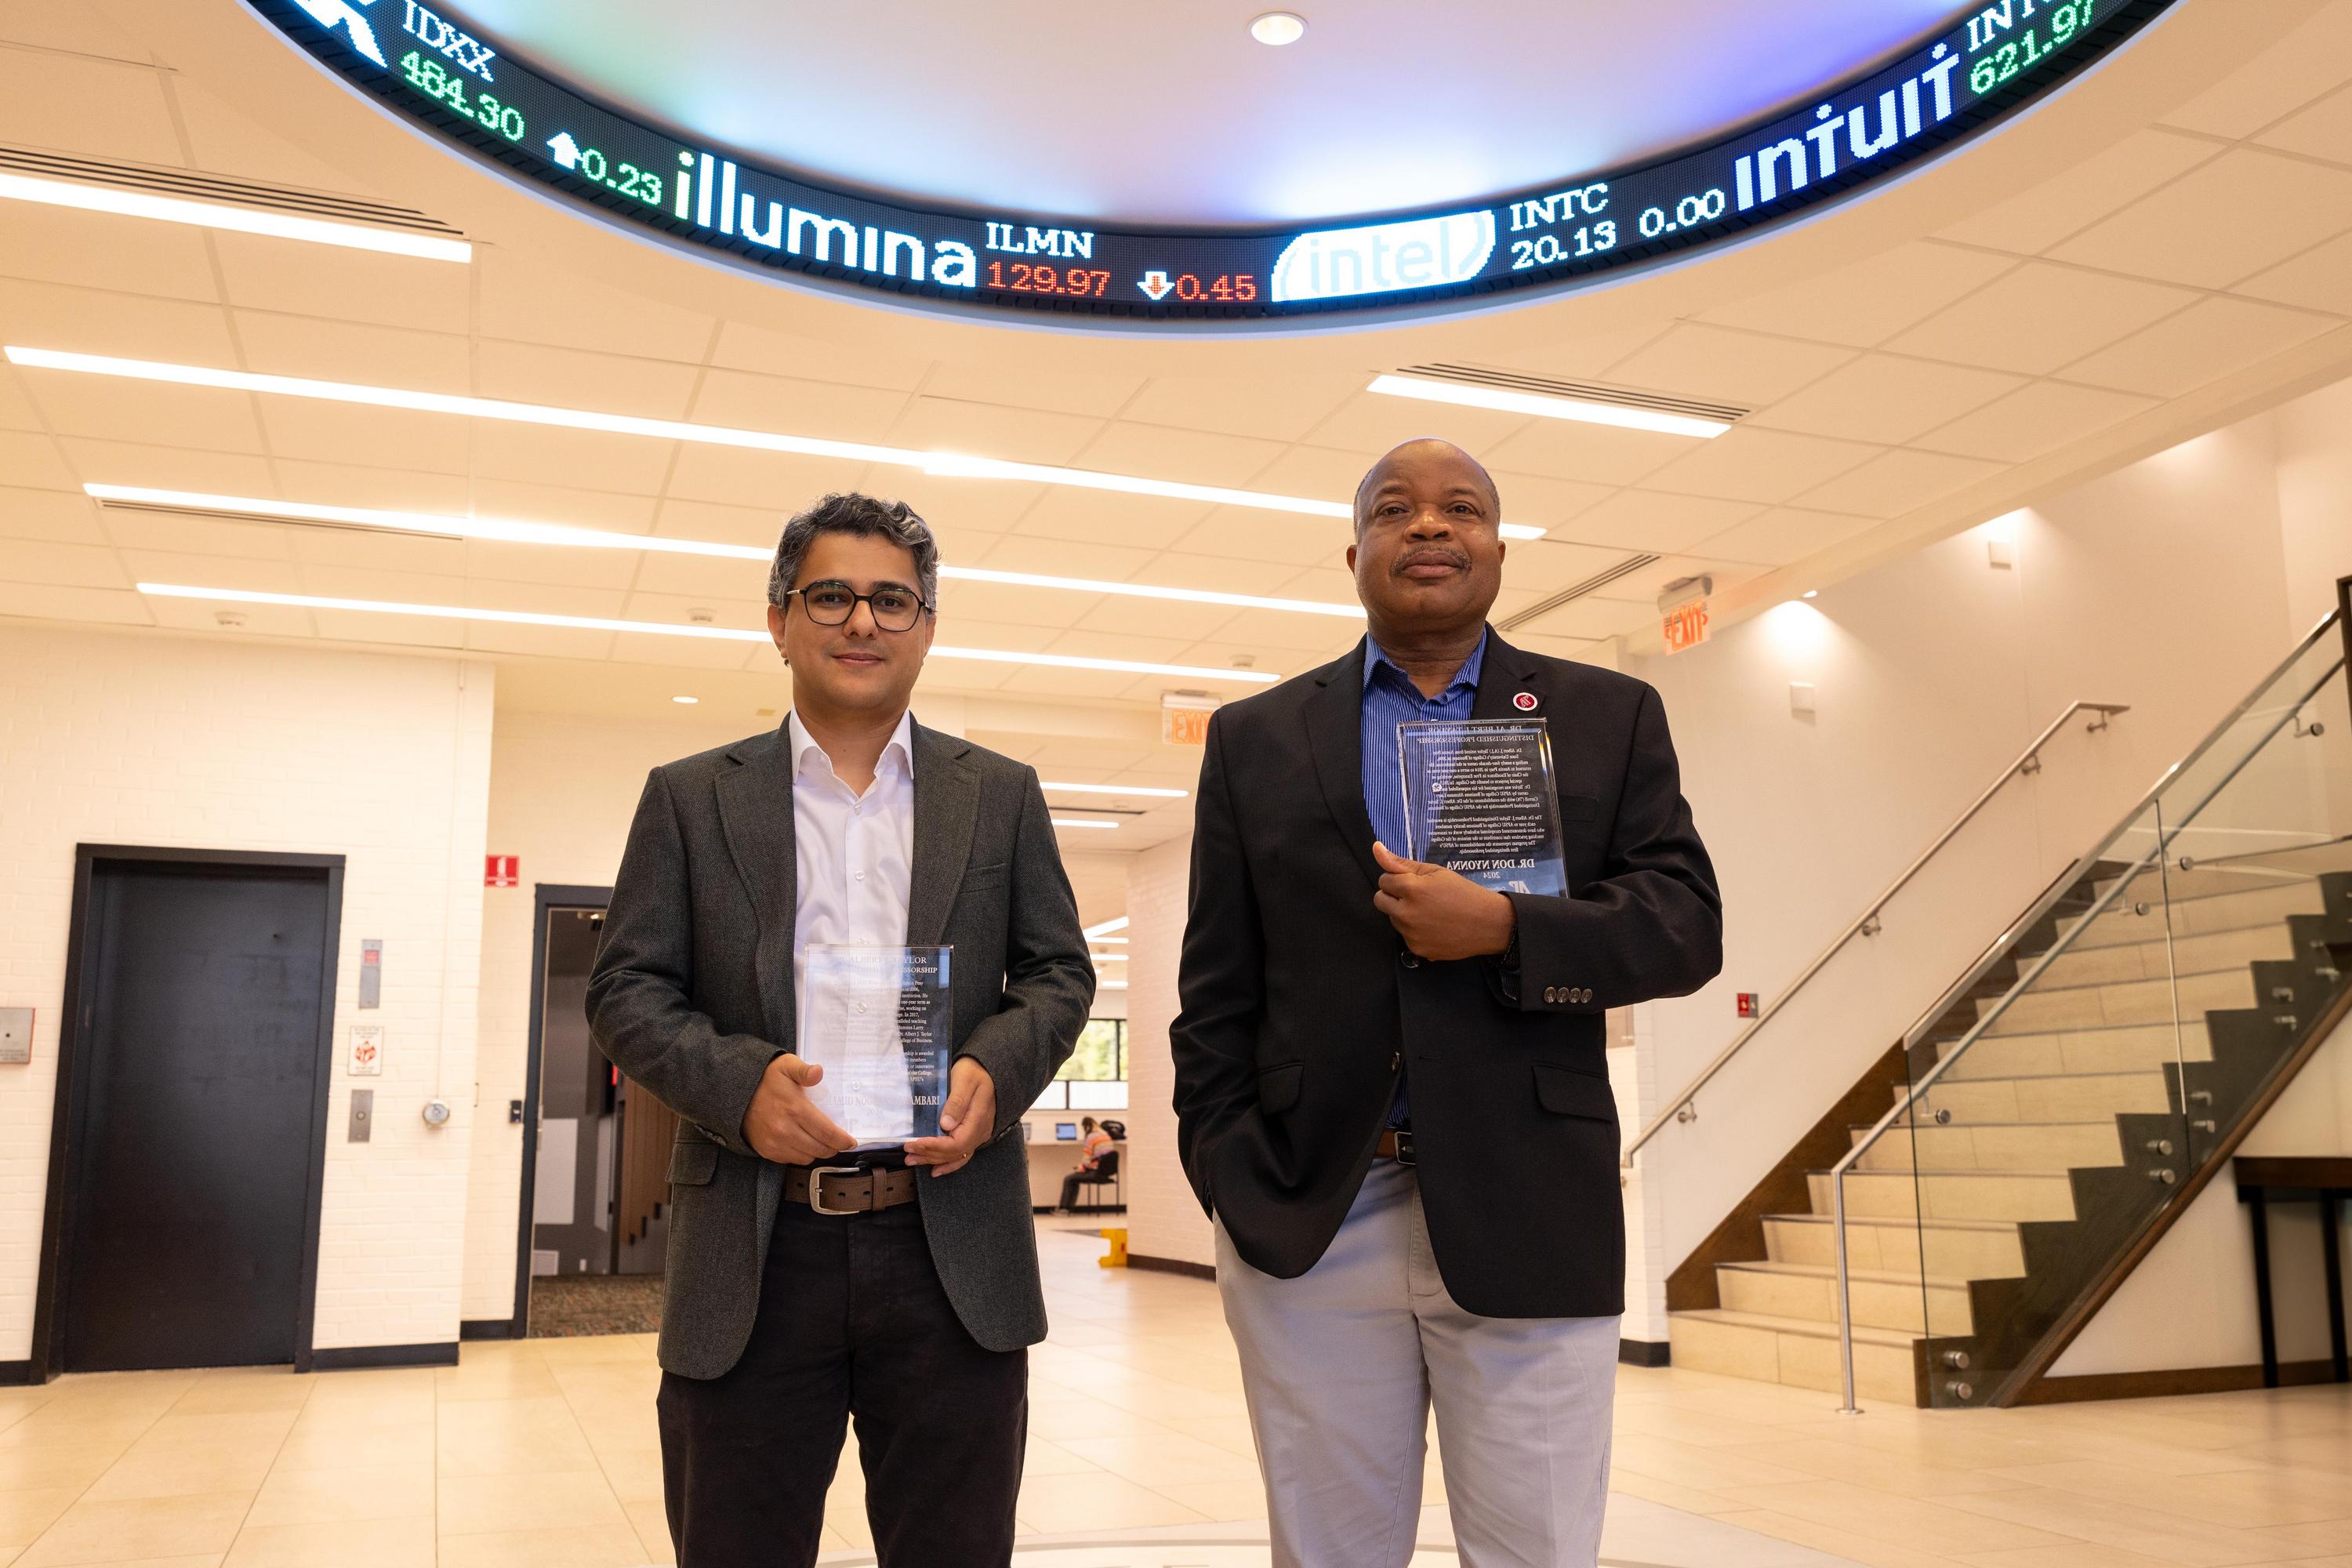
x=1867, y=922
x=2043, y=905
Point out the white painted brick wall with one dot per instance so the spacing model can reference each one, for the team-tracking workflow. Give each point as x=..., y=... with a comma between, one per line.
x=150, y=739
x=1163, y=1218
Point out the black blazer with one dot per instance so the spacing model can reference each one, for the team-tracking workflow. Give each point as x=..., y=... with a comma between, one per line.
x=692, y=996
x=1299, y=1002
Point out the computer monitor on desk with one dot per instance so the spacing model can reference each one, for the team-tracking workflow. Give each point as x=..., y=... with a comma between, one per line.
x=1066, y=1132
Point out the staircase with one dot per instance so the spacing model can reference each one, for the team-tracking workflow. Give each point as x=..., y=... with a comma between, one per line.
x=1983, y=1227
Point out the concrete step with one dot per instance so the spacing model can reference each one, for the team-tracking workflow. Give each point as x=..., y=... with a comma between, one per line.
x=1793, y=1351
x=2046, y=1097
x=2011, y=1146
x=2186, y=953
x=2012, y=1195
x=2114, y=1048
x=1881, y=1299
x=2046, y=1007
x=1959, y=1249
x=2214, y=880
x=2117, y=924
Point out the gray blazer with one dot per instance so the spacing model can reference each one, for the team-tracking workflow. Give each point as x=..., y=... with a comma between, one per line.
x=692, y=997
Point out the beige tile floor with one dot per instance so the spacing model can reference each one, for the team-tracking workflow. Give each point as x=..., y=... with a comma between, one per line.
x=543, y=1452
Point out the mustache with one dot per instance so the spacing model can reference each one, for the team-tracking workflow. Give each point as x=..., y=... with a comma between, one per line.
x=1428, y=554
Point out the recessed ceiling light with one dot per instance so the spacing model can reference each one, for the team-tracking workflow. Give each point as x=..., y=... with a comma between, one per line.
x=1119, y=939
x=1103, y=929
x=1079, y=822
x=1547, y=406
x=511, y=531
x=690, y=701
x=1278, y=27
x=1111, y=984
x=663, y=628
x=243, y=220
x=1812, y=593
x=951, y=464
x=1114, y=789
x=1107, y=957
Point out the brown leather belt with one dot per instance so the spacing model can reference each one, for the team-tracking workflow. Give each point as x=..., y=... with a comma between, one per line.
x=848, y=1189
x=1396, y=1143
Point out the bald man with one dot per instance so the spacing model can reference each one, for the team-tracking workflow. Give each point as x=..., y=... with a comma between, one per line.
x=1390, y=1088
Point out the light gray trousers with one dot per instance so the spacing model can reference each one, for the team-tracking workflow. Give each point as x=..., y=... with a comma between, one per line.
x=1342, y=1365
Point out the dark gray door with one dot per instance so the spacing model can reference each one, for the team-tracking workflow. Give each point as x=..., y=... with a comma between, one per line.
x=191, y=1170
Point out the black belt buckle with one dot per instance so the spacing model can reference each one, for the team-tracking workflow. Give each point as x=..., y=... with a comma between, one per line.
x=1404, y=1146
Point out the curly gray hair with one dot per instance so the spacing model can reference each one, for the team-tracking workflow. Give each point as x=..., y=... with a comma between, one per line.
x=866, y=517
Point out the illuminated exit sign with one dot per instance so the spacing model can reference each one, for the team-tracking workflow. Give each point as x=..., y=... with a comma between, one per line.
x=1184, y=718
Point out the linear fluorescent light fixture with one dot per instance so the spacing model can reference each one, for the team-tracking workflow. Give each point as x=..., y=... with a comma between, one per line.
x=1116, y=789
x=950, y=463
x=1107, y=957
x=1102, y=930
x=665, y=629
x=1078, y=822
x=1545, y=406
x=511, y=531
x=242, y=220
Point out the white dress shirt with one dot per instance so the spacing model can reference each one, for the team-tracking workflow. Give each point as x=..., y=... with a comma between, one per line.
x=855, y=856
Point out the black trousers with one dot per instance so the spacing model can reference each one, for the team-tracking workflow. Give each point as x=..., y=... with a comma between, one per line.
x=1076, y=1179
x=852, y=1324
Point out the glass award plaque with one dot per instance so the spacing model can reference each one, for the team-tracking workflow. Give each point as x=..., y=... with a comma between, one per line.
x=1479, y=800
x=876, y=1019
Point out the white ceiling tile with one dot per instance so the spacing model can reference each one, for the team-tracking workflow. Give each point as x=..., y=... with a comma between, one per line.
x=1328, y=584
x=574, y=378
x=981, y=430
x=115, y=409
x=2320, y=279
x=100, y=108
x=610, y=510
x=1578, y=648
x=967, y=605
x=1026, y=384
x=759, y=525
x=2032, y=420
x=34, y=462
x=1153, y=523
x=322, y=350
x=437, y=565
x=827, y=411
x=1768, y=466
x=528, y=298
x=2039, y=317
x=162, y=468
x=1190, y=457
x=1577, y=357
x=387, y=631
x=112, y=607
x=765, y=352
x=252, y=620
x=1320, y=473
x=56, y=515
x=16, y=410
x=710, y=581
x=547, y=642
x=52, y=564
x=956, y=507
x=334, y=283
x=102, y=250
x=1063, y=558
x=1287, y=641
x=223, y=139
x=734, y=611
x=1180, y=623
x=409, y=489
x=2280, y=79
x=1783, y=535
x=1885, y=397
x=1865, y=303
x=212, y=572
x=318, y=431
x=1546, y=503
x=687, y=655
x=91, y=321
x=78, y=29
x=545, y=455
x=2202, y=343
x=2072, y=198
x=1541, y=566
x=1588, y=454
x=1895, y=482
x=1281, y=408
x=1371, y=422
x=1589, y=618
x=1655, y=521
x=340, y=582
x=2321, y=131
x=193, y=535
x=1643, y=587
x=2244, y=211
x=1249, y=534
x=1722, y=364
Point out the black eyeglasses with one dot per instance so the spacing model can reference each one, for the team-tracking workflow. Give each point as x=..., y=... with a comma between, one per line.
x=895, y=609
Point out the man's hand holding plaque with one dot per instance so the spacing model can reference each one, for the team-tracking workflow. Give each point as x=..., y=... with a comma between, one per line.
x=875, y=1021
x=1440, y=914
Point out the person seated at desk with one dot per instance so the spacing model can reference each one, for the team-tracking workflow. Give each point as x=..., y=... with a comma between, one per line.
x=1089, y=1172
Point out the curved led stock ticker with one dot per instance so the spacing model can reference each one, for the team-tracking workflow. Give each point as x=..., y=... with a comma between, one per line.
x=431, y=65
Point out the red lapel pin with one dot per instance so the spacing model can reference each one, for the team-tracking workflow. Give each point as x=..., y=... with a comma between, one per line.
x=1525, y=702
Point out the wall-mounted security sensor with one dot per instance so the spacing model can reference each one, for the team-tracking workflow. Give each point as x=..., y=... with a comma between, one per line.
x=1802, y=698
x=2001, y=552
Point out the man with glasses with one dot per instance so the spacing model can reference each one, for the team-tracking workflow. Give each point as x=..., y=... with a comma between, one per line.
x=811, y=1282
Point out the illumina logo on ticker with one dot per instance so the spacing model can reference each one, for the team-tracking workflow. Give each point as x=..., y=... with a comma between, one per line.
x=707, y=196
x=1381, y=257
